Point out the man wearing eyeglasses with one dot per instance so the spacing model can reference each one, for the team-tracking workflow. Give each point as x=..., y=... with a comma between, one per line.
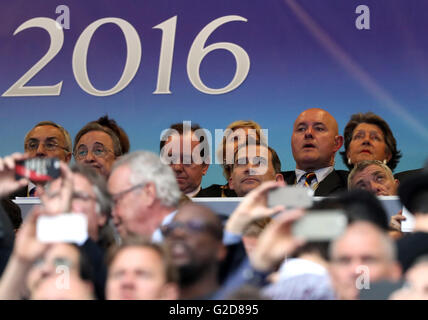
x=45, y=139
x=145, y=194
x=48, y=139
x=97, y=147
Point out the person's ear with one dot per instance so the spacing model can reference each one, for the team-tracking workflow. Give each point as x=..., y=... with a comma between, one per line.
x=231, y=184
x=150, y=193
x=338, y=141
x=279, y=177
x=205, y=167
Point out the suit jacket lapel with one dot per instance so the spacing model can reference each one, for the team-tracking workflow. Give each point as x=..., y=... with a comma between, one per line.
x=330, y=184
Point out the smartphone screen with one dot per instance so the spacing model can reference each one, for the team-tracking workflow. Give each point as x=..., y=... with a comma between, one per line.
x=321, y=225
x=38, y=170
x=290, y=197
x=66, y=227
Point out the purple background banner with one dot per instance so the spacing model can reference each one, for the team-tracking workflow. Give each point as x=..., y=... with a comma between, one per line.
x=302, y=54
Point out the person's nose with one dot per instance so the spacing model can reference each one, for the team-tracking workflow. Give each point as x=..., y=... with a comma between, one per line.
x=89, y=157
x=128, y=281
x=179, y=232
x=375, y=187
x=366, y=140
x=177, y=167
x=309, y=133
x=41, y=151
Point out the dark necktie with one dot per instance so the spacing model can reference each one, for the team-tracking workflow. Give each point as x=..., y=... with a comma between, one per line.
x=310, y=176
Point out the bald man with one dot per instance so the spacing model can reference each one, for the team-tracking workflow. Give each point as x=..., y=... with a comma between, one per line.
x=314, y=142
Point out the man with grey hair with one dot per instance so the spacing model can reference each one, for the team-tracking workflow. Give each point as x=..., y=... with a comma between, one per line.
x=373, y=176
x=376, y=177
x=145, y=194
x=363, y=254
x=48, y=139
x=45, y=139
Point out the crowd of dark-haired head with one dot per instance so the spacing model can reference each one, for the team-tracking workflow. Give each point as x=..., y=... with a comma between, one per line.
x=153, y=231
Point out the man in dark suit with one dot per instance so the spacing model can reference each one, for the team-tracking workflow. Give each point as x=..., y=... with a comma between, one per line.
x=314, y=142
x=404, y=175
x=179, y=149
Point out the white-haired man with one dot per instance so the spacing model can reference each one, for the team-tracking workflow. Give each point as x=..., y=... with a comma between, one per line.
x=145, y=194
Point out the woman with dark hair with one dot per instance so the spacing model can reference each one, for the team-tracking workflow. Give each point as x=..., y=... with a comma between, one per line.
x=368, y=137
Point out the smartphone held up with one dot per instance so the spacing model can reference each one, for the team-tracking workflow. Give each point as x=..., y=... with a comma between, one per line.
x=38, y=170
x=315, y=225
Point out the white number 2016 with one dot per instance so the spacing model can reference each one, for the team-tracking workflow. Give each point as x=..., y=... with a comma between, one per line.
x=133, y=56
x=133, y=45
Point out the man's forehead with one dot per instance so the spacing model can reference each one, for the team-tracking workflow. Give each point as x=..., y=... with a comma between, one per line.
x=45, y=132
x=96, y=137
x=80, y=182
x=120, y=176
x=253, y=150
x=359, y=232
x=193, y=212
x=179, y=138
x=313, y=116
x=373, y=170
x=62, y=249
x=182, y=142
x=137, y=251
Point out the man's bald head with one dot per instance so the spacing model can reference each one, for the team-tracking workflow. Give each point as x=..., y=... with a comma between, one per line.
x=315, y=139
x=191, y=211
x=320, y=114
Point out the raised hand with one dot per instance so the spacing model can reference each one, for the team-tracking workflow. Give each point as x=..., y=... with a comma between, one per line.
x=395, y=222
x=276, y=241
x=8, y=184
x=60, y=201
x=253, y=207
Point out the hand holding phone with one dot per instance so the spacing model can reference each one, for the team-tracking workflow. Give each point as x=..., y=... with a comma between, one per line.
x=8, y=183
